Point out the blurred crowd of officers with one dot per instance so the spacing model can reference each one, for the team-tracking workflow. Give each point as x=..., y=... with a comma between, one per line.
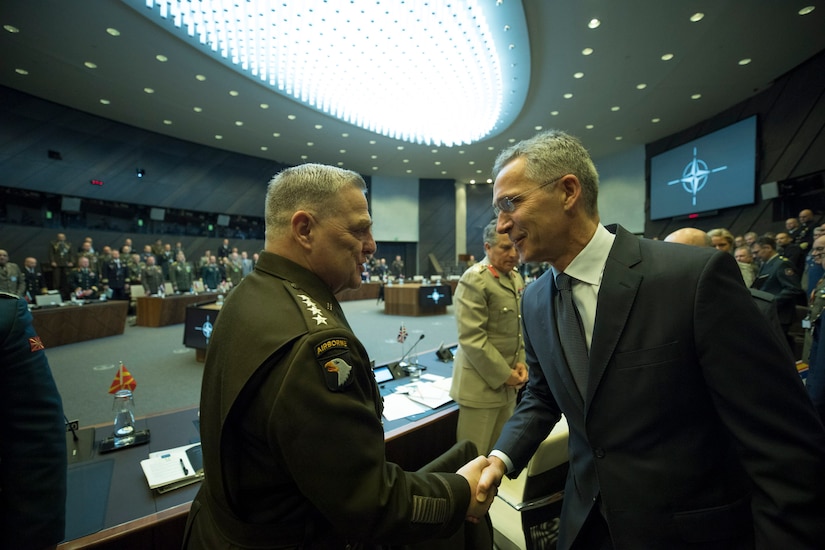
x=85, y=273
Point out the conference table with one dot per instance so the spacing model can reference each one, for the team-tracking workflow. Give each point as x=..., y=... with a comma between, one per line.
x=154, y=311
x=110, y=505
x=70, y=323
x=416, y=299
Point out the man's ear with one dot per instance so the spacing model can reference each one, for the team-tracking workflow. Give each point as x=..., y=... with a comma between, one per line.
x=572, y=190
x=302, y=227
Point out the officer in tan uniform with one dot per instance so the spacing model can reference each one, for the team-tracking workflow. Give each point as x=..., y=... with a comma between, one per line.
x=151, y=276
x=61, y=258
x=11, y=278
x=290, y=414
x=489, y=364
x=181, y=274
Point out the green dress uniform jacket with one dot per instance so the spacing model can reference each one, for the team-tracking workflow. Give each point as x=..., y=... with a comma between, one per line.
x=32, y=436
x=12, y=280
x=152, y=278
x=487, y=307
x=779, y=277
x=291, y=430
x=84, y=280
x=182, y=276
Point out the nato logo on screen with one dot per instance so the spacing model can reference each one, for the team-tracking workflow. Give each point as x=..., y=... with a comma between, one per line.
x=712, y=172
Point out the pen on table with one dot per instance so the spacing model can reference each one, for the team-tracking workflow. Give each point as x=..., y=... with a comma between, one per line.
x=182, y=465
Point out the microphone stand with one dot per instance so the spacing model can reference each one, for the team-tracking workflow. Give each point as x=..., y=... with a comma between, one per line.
x=398, y=368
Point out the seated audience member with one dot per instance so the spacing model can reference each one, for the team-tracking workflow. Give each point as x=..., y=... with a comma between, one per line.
x=35, y=281
x=84, y=282
x=293, y=447
x=11, y=278
x=32, y=436
x=744, y=258
x=722, y=239
x=116, y=277
x=152, y=277
x=816, y=358
x=779, y=277
x=182, y=274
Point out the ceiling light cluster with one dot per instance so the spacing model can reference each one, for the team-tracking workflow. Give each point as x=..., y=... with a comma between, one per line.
x=422, y=71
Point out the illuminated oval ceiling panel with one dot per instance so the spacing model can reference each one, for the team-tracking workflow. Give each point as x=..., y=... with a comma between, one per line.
x=437, y=72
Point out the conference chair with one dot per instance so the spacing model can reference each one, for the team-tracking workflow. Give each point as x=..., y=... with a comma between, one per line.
x=526, y=511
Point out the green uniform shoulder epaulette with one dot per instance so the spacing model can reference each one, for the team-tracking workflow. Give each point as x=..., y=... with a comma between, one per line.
x=315, y=317
x=8, y=295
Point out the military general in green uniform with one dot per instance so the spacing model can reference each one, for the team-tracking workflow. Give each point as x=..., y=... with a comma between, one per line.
x=181, y=274
x=489, y=365
x=290, y=415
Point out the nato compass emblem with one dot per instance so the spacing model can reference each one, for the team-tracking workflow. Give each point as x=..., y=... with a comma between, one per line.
x=695, y=175
x=435, y=296
x=206, y=329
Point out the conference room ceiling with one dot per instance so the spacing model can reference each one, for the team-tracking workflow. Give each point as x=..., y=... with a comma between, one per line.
x=626, y=95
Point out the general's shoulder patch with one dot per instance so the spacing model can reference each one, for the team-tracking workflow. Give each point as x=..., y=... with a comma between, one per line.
x=333, y=356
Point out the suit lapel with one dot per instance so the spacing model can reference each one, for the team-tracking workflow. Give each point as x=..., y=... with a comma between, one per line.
x=620, y=285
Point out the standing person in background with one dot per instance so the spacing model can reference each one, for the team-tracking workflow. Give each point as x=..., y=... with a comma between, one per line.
x=35, y=282
x=662, y=366
x=32, y=436
x=290, y=418
x=397, y=268
x=182, y=274
x=61, y=258
x=489, y=365
x=11, y=277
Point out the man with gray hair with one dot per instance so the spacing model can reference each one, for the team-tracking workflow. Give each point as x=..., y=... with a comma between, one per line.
x=290, y=413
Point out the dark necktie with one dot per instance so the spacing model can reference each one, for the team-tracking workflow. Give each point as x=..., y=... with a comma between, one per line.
x=571, y=333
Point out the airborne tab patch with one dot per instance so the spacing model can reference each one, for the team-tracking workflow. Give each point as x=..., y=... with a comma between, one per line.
x=334, y=359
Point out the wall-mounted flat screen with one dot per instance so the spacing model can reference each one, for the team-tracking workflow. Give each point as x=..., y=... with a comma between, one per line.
x=715, y=171
x=435, y=295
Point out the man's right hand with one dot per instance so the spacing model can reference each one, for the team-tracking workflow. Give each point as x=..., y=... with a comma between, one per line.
x=490, y=479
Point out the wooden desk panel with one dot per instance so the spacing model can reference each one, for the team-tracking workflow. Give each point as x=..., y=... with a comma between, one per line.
x=57, y=326
x=403, y=300
x=153, y=311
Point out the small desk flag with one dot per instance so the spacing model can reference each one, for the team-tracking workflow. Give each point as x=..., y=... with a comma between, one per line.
x=123, y=380
x=402, y=334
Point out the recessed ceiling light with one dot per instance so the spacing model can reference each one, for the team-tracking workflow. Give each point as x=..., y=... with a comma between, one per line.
x=698, y=16
x=342, y=151
x=594, y=24
x=618, y=138
x=372, y=142
x=200, y=77
x=461, y=152
x=291, y=117
x=433, y=151
x=489, y=180
x=234, y=93
x=340, y=163
x=655, y=120
x=218, y=136
x=310, y=143
x=318, y=126
x=578, y=75
x=477, y=172
x=568, y=95
x=373, y=157
x=587, y=51
x=197, y=109
x=438, y=163
x=537, y=128
x=615, y=108
x=554, y=113
x=90, y=65
x=149, y=90
x=304, y=157
x=264, y=148
x=113, y=32
x=806, y=10
x=745, y=61
x=641, y=86
x=345, y=135
x=589, y=126
x=511, y=140
x=491, y=148
x=696, y=96
x=162, y=58
x=264, y=106
x=400, y=147
x=276, y=134
x=471, y=163
x=409, y=170
x=375, y=168
x=239, y=123
x=105, y=101
x=167, y=122
x=406, y=161
x=667, y=57
x=22, y=72
x=11, y=28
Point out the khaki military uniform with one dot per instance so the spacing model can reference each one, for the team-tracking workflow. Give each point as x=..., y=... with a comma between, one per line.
x=12, y=280
x=151, y=278
x=61, y=258
x=290, y=422
x=487, y=311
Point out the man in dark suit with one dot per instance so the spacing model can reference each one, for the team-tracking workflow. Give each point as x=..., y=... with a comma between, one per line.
x=689, y=426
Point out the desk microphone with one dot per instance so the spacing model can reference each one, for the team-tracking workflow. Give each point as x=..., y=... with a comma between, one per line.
x=397, y=368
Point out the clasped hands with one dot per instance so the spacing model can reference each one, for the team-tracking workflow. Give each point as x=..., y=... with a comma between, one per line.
x=518, y=376
x=484, y=476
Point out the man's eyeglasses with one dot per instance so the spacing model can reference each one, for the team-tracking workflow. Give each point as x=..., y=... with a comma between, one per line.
x=508, y=204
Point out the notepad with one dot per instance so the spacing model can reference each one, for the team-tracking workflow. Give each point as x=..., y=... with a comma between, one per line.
x=173, y=468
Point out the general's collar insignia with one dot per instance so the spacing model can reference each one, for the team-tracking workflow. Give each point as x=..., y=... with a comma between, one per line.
x=313, y=308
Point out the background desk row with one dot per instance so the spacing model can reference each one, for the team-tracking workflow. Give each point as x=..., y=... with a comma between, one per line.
x=110, y=506
x=68, y=324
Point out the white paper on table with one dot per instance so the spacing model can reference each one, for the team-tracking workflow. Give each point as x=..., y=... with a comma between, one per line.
x=397, y=406
x=429, y=394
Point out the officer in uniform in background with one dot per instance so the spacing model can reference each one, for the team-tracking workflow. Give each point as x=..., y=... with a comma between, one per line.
x=181, y=274
x=11, y=278
x=290, y=418
x=814, y=325
x=778, y=276
x=211, y=274
x=35, y=282
x=62, y=261
x=151, y=277
x=84, y=282
x=116, y=276
x=489, y=366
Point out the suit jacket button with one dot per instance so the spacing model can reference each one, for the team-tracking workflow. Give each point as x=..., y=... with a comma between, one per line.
x=599, y=452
